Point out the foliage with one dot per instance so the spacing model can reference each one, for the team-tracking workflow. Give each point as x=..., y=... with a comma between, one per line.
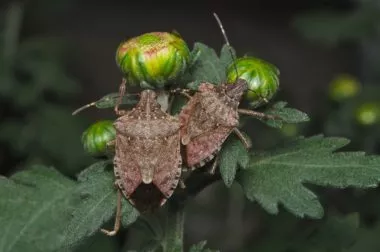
x=352, y=98
x=209, y=67
x=232, y=156
x=35, y=205
x=97, y=198
x=45, y=210
x=278, y=176
x=284, y=114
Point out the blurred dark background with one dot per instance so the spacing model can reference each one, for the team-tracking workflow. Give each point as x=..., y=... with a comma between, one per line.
x=59, y=55
x=93, y=29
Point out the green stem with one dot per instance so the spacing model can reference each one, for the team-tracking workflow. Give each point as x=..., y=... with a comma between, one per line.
x=175, y=218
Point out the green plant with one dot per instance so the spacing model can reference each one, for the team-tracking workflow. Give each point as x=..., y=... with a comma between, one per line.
x=261, y=76
x=47, y=211
x=153, y=59
x=96, y=137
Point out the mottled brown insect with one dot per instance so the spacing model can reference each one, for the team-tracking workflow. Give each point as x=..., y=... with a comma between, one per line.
x=208, y=119
x=147, y=162
x=210, y=116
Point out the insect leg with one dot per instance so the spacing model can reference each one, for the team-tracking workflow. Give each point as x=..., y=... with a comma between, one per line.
x=117, y=218
x=120, y=99
x=243, y=139
x=184, y=169
x=181, y=91
x=182, y=184
x=214, y=165
x=256, y=114
x=111, y=144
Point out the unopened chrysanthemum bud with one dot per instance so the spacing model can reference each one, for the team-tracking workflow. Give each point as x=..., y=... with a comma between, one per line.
x=343, y=87
x=154, y=59
x=96, y=137
x=261, y=76
x=368, y=113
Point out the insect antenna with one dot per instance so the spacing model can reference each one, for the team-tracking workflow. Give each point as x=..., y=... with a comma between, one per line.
x=232, y=53
x=227, y=42
x=84, y=107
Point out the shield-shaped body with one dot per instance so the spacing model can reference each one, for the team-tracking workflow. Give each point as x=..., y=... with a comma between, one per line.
x=147, y=161
x=208, y=119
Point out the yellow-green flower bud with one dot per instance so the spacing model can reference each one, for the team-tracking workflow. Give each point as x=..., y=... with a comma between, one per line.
x=368, y=113
x=154, y=59
x=261, y=76
x=96, y=137
x=343, y=87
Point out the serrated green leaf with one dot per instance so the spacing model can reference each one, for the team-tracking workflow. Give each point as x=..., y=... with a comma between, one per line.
x=284, y=115
x=194, y=56
x=200, y=247
x=34, y=205
x=97, y=206
x=209, y=67
x=232, y=155
x=109, y=101
x=227, y=56
x=278, y=177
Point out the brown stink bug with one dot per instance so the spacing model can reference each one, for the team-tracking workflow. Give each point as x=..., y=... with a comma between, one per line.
x=210, y=116
x=147, y=162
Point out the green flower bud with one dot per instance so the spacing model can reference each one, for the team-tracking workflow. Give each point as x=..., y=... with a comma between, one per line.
x=290, y=130
x=368, y=113
x=153, y=59
x=96, y=137
x=261, y=76
x=343, y=87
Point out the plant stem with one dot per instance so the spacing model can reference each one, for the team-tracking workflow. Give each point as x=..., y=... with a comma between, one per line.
x=175, y=218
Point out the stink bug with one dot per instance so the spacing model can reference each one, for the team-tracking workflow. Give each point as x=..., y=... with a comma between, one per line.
x=147, y=162
x=210, y=116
